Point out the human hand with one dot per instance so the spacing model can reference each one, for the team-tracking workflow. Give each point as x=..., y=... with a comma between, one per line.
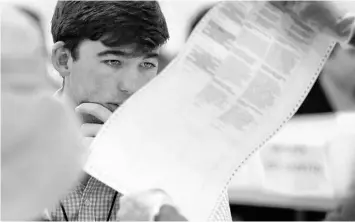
x=327, y=16
x=151, y=205
x=169, y=213
x=94, y=116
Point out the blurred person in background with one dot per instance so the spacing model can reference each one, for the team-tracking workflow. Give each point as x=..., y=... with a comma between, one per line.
x=164, y=57
x=338, y=82
x=334, y=90
x=37, y=19
x=339, y=70
x=338, y=79
x=40, y=135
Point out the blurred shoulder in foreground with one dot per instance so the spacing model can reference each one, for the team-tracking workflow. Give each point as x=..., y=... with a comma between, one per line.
x=41, y=153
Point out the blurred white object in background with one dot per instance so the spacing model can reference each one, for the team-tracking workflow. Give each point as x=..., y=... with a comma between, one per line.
x=44, y=10
x=315, y=155
x=295, y=159
x=23, y=64
x=342, y=153
x=308, y=165
x=41, y=150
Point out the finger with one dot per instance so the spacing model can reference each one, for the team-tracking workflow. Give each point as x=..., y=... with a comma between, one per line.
x=90, y=129
x=345, y=27
x=286, y=6
x=94, y=109
x=323, y=13
x=283, y=4
x=329, y=18
x=142, y=205
x=169, y=213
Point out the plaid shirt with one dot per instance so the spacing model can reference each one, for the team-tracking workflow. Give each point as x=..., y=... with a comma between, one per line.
x=93, y=202
x=88, y=203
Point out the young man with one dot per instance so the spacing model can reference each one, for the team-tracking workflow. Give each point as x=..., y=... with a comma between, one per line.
x=105, y=51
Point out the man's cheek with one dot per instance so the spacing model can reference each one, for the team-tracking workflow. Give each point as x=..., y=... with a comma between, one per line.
x=144, y=80
x=106, y=89
x=87, y=89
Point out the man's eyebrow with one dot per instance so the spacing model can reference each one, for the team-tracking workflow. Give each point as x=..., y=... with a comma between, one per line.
x=151, y=55
x=127, y=54
x=112, y=52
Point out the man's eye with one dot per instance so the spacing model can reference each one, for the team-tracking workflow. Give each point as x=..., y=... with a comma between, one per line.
x=113, y=63
x=148, y=65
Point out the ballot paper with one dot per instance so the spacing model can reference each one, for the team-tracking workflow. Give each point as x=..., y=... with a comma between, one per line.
x=243, y=73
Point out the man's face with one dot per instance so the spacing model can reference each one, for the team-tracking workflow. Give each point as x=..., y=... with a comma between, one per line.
x=109, y=76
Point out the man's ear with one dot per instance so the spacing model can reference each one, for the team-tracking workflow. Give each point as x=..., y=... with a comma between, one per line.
x=61, y=59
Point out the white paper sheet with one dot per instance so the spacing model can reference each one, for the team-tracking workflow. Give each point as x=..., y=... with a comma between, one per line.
x=243, y=73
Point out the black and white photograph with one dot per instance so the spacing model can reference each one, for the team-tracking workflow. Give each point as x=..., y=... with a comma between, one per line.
x=177, y=110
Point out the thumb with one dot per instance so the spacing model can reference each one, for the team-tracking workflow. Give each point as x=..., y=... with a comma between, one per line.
x=142, y=205
x=169, y=213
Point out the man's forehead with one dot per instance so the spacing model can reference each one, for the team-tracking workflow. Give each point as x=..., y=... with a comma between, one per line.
x=97, y=48
x=134, y=50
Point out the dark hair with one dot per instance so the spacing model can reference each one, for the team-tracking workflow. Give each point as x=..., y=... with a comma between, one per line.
x=114, y=23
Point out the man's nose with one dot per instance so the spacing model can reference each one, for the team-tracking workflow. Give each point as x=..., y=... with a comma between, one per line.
x=129, y=81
